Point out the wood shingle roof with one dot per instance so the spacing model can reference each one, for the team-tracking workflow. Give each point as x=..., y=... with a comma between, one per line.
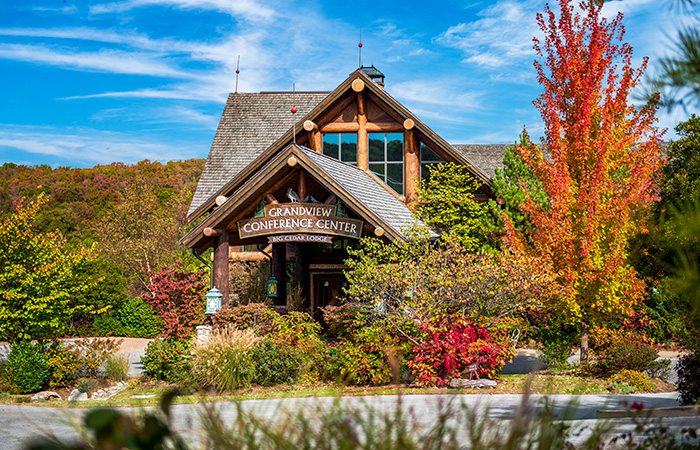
x=250, y=123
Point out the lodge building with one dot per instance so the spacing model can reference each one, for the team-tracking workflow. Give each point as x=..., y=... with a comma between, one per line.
x=295, y=177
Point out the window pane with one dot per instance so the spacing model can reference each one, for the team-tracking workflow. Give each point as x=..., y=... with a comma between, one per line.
x=398, y=187
x=378, y=169
x=348, y=147
x=425, y=170
x=376, y=147
x=394, y=176
x=330, y=145
x=394, y=147
x=427, y=154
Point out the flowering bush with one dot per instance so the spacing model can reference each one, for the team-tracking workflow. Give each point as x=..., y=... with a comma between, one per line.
x=450, y=344
x=177, y=296
x=638, y=381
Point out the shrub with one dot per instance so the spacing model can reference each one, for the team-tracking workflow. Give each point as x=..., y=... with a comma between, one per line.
x=635, y=379
x=93, y=354
x=275, y=364
x=352, y=364
x=177, y=296
x=117, y=367
x=301, y=332
x=225, y=361
x=26, y=367
x=344, y=320
x=626, y=352
x=450, y=344
x=64, y=364
x=106, y=325
x=167, y=360
x=258, y=317
x=689, y=378
x=137, y=318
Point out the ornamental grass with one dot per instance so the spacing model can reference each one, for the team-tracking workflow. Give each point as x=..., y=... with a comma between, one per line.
x=225, y=362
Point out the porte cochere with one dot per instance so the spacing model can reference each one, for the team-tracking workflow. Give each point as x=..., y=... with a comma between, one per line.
x=296, y=177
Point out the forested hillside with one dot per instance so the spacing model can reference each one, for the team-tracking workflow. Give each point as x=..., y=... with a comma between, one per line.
x=131, y=215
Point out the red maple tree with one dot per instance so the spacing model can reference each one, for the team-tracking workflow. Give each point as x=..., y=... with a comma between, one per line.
x=599, y=176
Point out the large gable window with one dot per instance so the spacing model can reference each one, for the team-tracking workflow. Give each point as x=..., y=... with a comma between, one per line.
x=342, y=146
x=386, y=158
x=428, y=159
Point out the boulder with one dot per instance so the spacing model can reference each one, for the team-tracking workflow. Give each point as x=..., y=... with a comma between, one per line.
x=44, y=396
x=463, y=383
x=77, y=396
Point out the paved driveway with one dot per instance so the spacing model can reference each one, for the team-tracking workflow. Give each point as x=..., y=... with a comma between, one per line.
x=20, y=423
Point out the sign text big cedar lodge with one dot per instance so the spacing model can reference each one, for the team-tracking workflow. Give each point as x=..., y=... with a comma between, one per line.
x=300, y=218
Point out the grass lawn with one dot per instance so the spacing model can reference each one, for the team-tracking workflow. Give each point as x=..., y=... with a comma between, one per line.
x=148, y=393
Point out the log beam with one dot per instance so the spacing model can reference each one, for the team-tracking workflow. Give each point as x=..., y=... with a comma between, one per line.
x=211, y=232
x=317, y=139
x=411, y=159
x=309, y=125
x=269, y=198
x=371, y=127
x=301, y=185
x=220, y=273
x=362, y=138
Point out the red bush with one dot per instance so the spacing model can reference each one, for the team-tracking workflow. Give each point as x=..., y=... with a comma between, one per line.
x=177, y=296
x=450, y=344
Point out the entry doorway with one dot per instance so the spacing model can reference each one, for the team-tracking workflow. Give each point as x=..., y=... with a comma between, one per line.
x=326, y=290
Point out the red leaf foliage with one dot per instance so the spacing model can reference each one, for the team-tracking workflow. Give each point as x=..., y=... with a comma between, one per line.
x=450, y=344
x=177, y=296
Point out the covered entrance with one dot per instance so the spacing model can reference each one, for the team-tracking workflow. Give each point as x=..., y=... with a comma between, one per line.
x=301, y=211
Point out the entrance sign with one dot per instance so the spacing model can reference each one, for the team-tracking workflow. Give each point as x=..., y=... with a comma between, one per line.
x=315, y=238
x=310, y=218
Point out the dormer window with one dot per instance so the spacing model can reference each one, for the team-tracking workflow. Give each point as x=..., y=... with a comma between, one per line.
x=386, y=158
x=342, y=146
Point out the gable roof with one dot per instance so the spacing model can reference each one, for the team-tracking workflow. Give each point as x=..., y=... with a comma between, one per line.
x=249, y=124
x=356, y=188
x=367, y=191
x=486, y=157
x=231, y=155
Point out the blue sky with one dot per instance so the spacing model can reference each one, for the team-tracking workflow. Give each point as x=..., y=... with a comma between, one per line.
x=87, y=83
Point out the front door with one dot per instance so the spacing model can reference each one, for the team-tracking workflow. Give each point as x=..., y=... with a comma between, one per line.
x=327, y=289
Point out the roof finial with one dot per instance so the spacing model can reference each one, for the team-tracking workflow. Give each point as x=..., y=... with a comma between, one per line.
x=238, y=71
x=359, y=50
x=294, y=111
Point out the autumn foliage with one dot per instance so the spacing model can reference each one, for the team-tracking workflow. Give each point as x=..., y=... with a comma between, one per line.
x=599, y=175
x=177, y=296
x=451, y=343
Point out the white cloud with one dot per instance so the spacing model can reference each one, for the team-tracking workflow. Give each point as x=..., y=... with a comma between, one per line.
x=437, y=93
x=112, y=61
x=247, y=9
x=61, y=10
x=88, y=146
x=501, y=35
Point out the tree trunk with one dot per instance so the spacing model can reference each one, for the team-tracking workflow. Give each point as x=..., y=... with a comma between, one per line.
x=584, y=344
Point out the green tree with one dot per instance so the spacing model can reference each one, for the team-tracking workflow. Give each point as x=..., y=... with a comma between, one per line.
x=40, y=285
x=513, y=184
x=447, y=202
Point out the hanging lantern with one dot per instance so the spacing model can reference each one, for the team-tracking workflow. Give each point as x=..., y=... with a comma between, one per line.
x=272, y=287
x=214, y=297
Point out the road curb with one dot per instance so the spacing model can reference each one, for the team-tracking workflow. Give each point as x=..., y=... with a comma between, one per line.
x=675, y=411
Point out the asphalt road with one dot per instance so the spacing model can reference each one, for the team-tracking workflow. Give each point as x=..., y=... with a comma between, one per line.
x=18, y=424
